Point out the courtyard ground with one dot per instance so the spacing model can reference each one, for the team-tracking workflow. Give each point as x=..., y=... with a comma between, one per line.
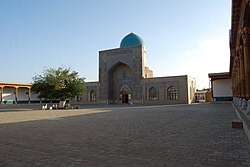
x=174, y=135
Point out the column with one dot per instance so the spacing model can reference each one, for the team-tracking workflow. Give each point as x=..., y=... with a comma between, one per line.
x=237, y=76
x=241, y=72
x=212, y=88
x=232, y=78
x=238, y=73
x=16, y=93
x=29, y=95
x=1, y=95
x=245, y=38
x=233, y=82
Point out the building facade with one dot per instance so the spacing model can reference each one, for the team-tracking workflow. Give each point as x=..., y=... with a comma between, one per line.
x=239, y=49
x=12, y=93
x=221, y=85
x=124, y=78
x=203, y=95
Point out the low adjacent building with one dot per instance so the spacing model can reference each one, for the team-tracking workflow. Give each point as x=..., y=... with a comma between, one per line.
x=221, y=85
x=13, y=93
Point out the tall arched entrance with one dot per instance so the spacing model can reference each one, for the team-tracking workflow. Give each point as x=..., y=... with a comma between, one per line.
x=119, y=83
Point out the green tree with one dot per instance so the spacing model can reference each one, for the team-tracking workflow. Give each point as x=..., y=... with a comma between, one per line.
x=61, y=83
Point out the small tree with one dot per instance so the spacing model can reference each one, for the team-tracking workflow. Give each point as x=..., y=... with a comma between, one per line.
x=60, y=83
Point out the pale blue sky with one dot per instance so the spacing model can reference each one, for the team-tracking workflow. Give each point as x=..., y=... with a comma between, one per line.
x=184, y=37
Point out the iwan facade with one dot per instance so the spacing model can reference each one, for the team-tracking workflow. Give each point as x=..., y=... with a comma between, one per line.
x=124, y=78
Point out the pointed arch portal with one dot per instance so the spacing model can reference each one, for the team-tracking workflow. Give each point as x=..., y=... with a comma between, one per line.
x=119, y=83
x=125, y=93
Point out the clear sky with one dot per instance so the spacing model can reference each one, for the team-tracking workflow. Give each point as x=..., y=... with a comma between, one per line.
x=184, y=37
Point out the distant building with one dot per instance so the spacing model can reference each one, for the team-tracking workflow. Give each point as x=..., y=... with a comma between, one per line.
x=203, y=95
x=221, y=85
x=124, y=78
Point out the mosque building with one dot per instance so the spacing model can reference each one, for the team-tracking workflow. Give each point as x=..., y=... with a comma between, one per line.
x=124, y=78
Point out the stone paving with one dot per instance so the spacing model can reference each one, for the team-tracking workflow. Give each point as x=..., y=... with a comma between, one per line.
x=181, y=135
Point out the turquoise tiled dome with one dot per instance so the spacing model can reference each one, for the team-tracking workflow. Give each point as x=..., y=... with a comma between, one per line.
x=131, y=40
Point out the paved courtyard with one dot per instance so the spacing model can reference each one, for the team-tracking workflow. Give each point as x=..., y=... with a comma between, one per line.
x=181, y=135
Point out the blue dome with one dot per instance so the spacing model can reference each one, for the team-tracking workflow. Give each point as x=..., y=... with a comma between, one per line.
x=131, y=40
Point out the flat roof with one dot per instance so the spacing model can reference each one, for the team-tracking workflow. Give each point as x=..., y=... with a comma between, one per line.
x=11, y=84
x=222, y=75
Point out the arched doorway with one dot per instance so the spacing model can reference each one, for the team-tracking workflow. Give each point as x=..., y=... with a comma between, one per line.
x=120, y=79
x=125, y=93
